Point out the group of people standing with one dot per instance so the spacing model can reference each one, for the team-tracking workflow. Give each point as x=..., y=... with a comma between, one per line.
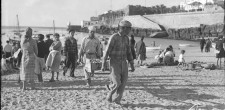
x=205, y=43
x=138, y=49
x=118, y=51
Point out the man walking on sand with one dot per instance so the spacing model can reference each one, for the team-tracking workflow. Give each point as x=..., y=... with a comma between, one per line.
x=202, y=43
x=140, y=51
x=118, y=50
x=90, y=49
x=70, y=52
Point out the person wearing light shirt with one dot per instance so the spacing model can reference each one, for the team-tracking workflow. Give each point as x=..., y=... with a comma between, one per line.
x=119, y=52
x=8, y=50
x=90, y=49
x=181, y=58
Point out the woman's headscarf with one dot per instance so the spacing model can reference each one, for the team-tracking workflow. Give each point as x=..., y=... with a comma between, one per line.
x=27, y=32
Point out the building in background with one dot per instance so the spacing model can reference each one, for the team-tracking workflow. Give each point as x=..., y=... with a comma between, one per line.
x=200, y=5
x=89, y=23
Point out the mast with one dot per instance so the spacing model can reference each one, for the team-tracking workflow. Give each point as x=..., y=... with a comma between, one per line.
x=18, y=24
x=54, y=26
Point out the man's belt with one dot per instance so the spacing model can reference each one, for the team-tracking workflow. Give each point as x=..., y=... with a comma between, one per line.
x=119, y=58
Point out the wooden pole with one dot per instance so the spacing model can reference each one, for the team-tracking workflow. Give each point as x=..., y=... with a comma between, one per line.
x=53, y=27
x=18, y=24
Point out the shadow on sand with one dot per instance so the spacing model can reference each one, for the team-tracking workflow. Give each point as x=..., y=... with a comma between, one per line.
x=180, y=94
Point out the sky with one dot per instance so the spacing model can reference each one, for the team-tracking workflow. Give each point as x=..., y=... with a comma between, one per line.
x=43, y=12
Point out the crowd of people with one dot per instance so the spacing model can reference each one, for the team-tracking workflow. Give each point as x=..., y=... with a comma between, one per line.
x=35, y=56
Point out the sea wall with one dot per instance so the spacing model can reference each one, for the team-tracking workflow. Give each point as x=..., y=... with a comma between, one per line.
x=197, y=32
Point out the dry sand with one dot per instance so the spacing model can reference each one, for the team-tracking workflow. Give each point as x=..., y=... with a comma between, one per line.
x=161, y=87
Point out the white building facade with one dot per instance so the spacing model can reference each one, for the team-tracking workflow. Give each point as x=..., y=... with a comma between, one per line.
x=195, y=4
x=89, y=23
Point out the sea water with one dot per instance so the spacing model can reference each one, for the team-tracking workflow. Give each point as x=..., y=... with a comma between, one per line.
x=79, y=36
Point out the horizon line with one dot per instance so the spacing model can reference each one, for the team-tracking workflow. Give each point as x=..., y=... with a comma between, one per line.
x=36, y=26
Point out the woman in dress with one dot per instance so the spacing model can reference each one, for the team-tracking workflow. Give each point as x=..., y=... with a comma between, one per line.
x=220, y=48
x=54, y=57
x=29, y=51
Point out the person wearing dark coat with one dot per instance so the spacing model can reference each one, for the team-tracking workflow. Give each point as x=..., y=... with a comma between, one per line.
x=220, y=47
x=70, y=51
x=132, y=44
x=48, y=43
x=202, y=44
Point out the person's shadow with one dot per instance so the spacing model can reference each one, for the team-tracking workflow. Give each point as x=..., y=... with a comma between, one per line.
x=181, y=94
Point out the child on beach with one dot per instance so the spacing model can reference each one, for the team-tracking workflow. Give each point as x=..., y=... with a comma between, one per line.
x=181, y=59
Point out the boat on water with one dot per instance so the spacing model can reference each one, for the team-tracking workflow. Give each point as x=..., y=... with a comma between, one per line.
x=153, y=48
x=159, y=34
x=185, y=45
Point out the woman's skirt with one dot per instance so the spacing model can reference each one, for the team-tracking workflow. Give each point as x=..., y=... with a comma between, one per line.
x=221, y=54
x=53, y=61
x=27, y=68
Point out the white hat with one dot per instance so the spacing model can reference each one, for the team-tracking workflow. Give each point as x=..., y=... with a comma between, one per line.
x=125, y=23
x=91, y=28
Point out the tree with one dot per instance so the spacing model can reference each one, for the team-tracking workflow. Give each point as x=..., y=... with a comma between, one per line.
x=163, y=8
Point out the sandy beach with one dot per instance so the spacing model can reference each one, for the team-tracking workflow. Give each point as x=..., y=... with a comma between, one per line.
x=159, y=87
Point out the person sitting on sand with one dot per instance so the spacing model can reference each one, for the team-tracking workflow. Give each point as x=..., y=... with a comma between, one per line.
x=159, y=57
x=54, y=57
x=169, y=57
x=8, y=50
x=171, y=47
x=4, y=65
x=181, y=58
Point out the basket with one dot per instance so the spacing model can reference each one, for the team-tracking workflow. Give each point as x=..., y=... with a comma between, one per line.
x=96, y=64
